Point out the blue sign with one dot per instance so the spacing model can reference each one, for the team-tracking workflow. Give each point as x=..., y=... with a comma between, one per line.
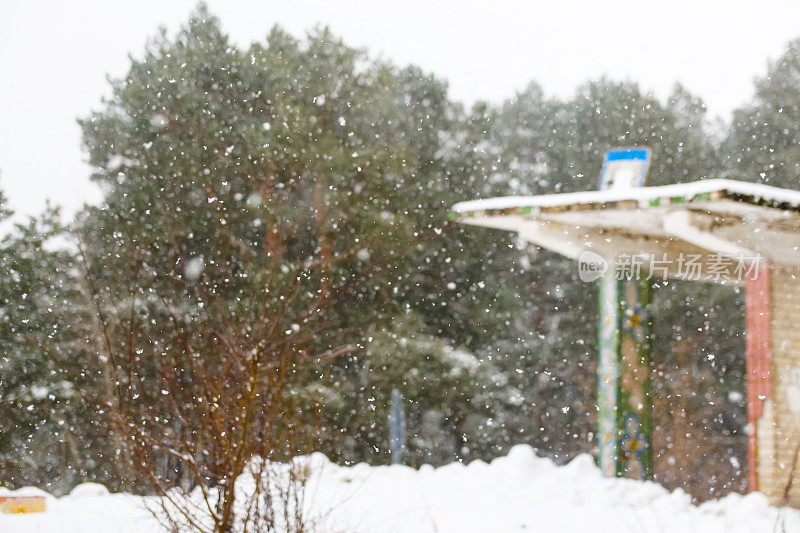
x=624, y=168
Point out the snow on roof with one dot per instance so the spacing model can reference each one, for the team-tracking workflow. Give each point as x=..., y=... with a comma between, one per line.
x=678, y=193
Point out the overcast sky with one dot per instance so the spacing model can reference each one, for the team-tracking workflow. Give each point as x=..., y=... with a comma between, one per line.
x=54, y=57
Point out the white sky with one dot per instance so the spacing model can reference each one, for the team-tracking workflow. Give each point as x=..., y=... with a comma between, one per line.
x=55, y=55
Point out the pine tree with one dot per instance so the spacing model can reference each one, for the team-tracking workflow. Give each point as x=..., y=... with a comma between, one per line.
x=45, y=432
x=764, y=140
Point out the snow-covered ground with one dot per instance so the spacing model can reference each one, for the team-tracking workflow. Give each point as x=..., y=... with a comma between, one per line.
x=517, y=493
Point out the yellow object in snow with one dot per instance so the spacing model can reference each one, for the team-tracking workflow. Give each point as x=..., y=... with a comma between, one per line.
x=22, y=504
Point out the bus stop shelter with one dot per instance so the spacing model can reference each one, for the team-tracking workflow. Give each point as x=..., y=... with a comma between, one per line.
x=713, y=231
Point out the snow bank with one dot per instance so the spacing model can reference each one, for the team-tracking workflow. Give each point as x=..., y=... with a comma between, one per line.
x=516, y=493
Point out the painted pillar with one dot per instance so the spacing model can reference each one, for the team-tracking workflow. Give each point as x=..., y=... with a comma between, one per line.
x=757, y=353
x=608, y=374
x=623, y=391
x=634, y=415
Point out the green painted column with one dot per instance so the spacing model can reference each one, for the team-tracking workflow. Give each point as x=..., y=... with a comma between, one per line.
x=623, y=392
x=634, y=416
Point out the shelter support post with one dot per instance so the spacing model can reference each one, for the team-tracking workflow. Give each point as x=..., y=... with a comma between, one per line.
x=757, y=353
x=608, y=374
x=623, y=392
